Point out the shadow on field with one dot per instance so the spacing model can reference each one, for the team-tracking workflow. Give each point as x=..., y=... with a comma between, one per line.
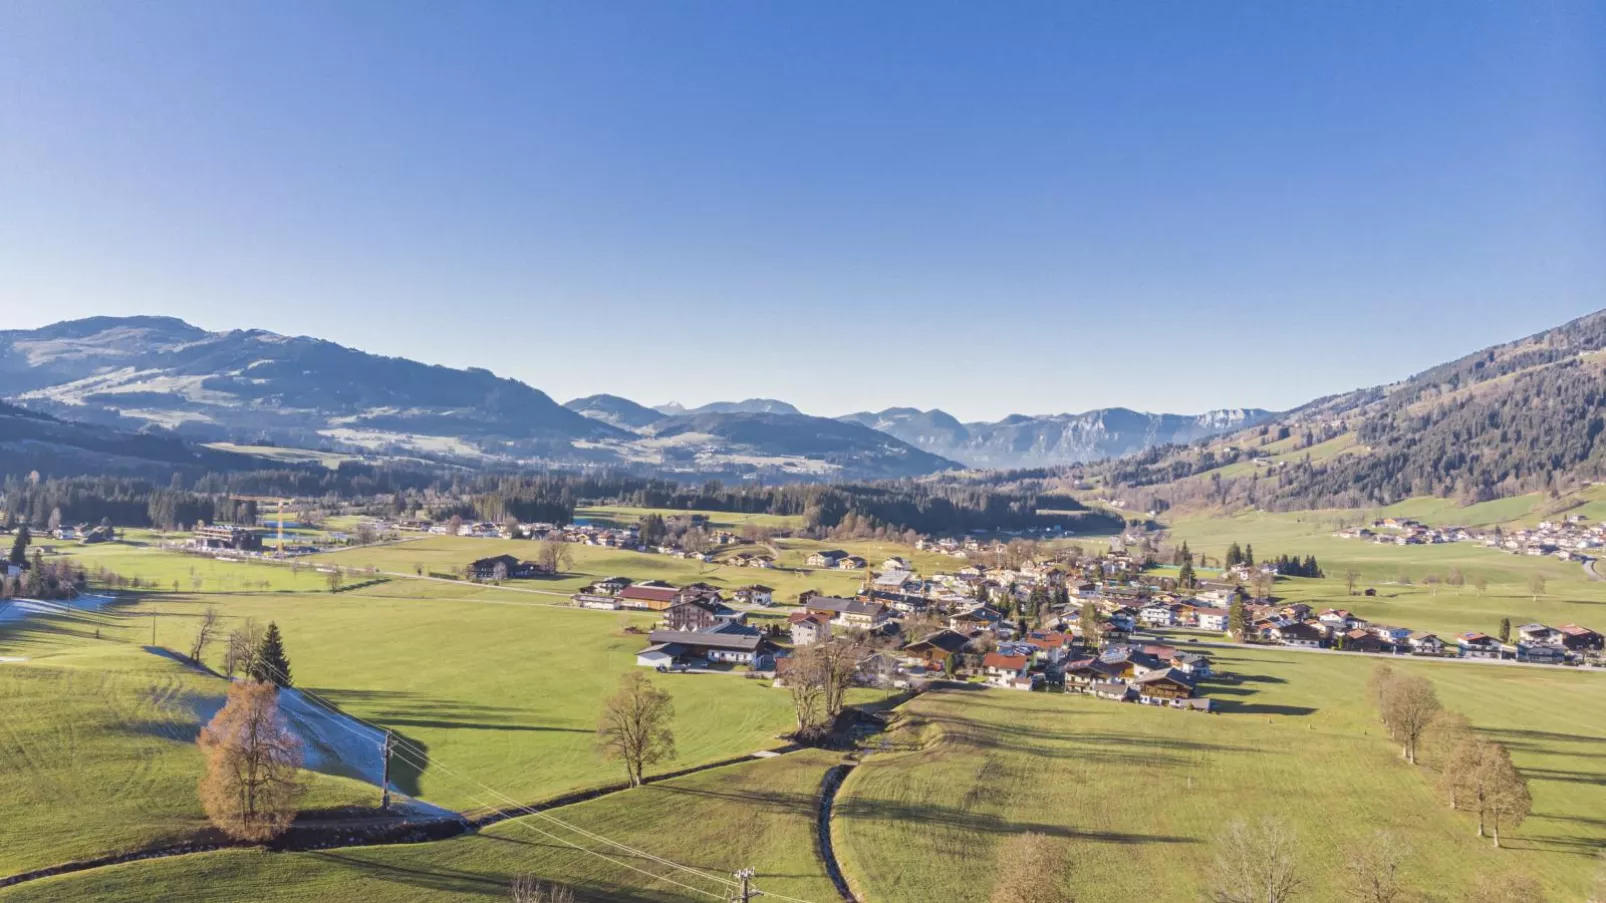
x=395, y=707
x=1234, y=707
x=593, y=891
x=929, y=815
x=454, y=880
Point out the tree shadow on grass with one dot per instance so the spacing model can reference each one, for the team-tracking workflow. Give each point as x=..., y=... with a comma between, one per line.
x=1234, y=707
x=929, y=815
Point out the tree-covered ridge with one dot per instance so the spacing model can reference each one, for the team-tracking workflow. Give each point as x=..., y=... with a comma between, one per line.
x=1521, y=417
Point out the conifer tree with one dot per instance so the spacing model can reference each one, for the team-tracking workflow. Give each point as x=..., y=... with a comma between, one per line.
x=19, y=546
x=270, y=664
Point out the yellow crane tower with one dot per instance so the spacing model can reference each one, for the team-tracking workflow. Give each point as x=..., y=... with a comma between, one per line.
x=279, y=504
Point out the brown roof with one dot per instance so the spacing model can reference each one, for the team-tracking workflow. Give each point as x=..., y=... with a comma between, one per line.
x=1006, y=662
x=649, y=593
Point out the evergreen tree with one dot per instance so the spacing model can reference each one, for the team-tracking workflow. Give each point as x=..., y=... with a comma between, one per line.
x=1238, y=618
x=19, y=546
x=1505, y=630
x=270, y=664
x=1235, y=555
x=1249, y=554
x=1185, y=577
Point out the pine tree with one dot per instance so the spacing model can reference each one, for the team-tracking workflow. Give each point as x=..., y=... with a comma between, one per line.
x=1505, y=630
x=1249, y=554
x=1238, y=618
x=270, y=664
x=1235, y=555
x=19, y=546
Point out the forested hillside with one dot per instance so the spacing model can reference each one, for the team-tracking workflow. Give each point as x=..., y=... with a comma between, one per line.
x=1521, y=417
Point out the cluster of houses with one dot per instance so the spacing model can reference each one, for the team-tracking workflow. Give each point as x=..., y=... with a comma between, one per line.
x=1572, y=537
x=918, y=629
x=1298, y=624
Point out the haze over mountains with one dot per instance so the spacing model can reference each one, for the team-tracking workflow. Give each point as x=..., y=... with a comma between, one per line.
x=1520, y=417
x=248, y=387
x=1517, y=417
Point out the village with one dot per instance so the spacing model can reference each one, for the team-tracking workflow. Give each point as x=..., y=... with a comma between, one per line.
x=1572, y=538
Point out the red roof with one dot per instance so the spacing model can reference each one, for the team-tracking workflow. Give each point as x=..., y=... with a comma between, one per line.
x=1004, y=662
x=649, y=593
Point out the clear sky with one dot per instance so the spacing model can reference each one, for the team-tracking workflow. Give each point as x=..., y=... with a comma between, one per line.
x=991, y=208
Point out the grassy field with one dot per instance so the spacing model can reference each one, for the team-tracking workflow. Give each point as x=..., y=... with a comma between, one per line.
x=502, y=690
x=97, y=751
x=1569, y=596
x=757, y=815
x=1136, y=795
x=181, y=572
x=448, y=554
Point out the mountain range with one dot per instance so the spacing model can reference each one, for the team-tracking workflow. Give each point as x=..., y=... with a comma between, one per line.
x=156, y=375
x=1527, y=416
x=154, y=394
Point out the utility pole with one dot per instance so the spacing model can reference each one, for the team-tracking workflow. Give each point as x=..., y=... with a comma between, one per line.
x=747, y=893
x=384, y=783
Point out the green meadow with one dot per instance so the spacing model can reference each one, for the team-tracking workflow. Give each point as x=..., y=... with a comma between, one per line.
x=97, y=752
x=757, y=815
x=1400, y=575
x=1135, y=795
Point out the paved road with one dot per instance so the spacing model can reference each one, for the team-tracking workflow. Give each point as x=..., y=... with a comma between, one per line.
x=1589, y=570
x=1500, y=663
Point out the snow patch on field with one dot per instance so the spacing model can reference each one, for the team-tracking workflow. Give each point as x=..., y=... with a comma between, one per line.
x=18, y=609
x=332, y=743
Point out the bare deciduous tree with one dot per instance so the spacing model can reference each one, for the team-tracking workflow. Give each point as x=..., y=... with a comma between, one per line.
x=1030, y=869
x=1484, y=780
x=820, y=676
x=252, y=760
x=1256, y=864
x=1372, y=870
x=1409, y=704
x=1536, y=585
x=1377, y=687
x=635, y=726
x=242, y=645
x=529, y=889
x=1509, y=799
x=203, y=634
x=554, y=555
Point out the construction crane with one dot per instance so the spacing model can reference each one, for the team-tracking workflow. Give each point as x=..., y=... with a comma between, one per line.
x=279, y=504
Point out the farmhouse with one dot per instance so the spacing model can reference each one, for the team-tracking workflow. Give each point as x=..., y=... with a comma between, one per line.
x=1004, y=667
x=722, y=646
x=1163, y=687
x=699, y=614
x=808, y=627
x=934, y=650
x=1212, y=619
x=1478, y=645
x=652, y=598
x=1422, y=643
x=1299, y=633
x=502, y=567
x=850, y=612
x=1581, y=639
x=755, y=594
x=826, y=558
x=850, y=563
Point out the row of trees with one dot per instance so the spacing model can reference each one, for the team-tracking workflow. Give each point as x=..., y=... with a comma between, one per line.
x=1476, y=774
x=1259, y=863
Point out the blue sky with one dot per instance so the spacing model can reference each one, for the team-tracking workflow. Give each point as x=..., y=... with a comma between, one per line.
x=991, y=208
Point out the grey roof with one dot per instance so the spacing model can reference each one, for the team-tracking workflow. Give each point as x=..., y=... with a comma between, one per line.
x=709, y=639
x=844, y=606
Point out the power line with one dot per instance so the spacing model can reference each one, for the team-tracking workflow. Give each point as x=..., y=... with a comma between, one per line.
x=408, y=755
